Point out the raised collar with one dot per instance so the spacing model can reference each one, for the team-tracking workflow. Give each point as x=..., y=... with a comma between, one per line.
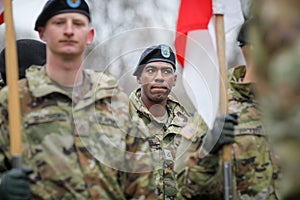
x=238, y=89
x=177, y=113
x=41, y=85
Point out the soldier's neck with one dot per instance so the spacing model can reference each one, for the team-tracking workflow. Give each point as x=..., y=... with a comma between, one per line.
x=67, y=73
x=156, y=109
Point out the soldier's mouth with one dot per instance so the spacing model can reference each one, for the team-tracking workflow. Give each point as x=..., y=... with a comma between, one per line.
x=159, y=87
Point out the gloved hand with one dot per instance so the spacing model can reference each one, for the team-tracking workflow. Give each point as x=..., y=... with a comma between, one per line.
x=222, y=133
x=15, y=184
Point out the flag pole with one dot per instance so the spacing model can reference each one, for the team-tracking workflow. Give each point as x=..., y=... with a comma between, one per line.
x=13, y=91
x=223, y=105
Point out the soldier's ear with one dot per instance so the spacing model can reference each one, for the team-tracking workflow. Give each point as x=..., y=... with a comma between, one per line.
x=175, y=79
x=138, y=79
x=41, y=33
x=91, y=36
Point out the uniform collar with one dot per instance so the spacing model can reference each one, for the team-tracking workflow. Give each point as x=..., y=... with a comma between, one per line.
x=41, y=85
x=177, y=113
x=238, y=89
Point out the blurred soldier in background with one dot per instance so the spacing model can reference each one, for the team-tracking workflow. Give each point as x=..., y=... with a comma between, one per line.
x=254, y=166
x=255, y=171
x=197, y=166
x=163, y=115
x=77, y=134
x=30, y=52
x=276, y=34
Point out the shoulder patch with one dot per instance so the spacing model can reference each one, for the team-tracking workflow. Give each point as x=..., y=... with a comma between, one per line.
x=188, y=131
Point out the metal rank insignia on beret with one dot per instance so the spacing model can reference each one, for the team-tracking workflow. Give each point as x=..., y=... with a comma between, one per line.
x=74, y=3
x=165, y=51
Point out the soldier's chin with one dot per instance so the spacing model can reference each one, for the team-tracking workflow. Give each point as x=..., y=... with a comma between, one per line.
x=158, y=98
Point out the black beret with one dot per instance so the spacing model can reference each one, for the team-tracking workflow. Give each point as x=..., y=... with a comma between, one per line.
x=156, y=53
x=30, y=52
x=243, y=36
x=55, y=7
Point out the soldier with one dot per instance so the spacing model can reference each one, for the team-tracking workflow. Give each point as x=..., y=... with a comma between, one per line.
x=255, y=169
x=76, y=131
x=162, y=113
x=197, y=165
x=255, y=166
x=30, y=52
x=276, y=34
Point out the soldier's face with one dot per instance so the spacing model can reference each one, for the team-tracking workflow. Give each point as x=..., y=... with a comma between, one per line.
x=67, y=34
x=157, y=80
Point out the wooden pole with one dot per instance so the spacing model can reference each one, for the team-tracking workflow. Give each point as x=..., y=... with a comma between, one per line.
x=223, y=106
x=12, y=82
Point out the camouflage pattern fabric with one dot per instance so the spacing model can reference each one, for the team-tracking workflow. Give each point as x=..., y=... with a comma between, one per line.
x=164, y=141
x=255, y=169
x=69, y=140
x=277, y=34
x=199, y=174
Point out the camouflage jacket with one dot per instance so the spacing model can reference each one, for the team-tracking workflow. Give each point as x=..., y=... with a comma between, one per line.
x=254, y=167
x=198, y=173
x=79, y=144
x=164, y=141
x=276, y=36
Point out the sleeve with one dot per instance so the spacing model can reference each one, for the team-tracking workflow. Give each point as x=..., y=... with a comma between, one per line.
x=136, y=177
x=198, y=174
x=139, y=182
x=4, y=133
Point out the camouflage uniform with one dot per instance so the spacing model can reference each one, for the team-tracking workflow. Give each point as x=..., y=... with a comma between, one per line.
x=164, y=141
x=254, y=167
x=277, y=35
x=198, y=173
x=69, y=140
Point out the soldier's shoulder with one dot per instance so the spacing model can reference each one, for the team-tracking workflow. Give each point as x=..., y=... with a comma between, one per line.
x=195, y=129
x=22, y=87
x=103, y=78
x=175, y=105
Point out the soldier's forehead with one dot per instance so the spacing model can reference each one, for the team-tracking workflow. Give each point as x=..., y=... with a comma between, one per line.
x=159, y=64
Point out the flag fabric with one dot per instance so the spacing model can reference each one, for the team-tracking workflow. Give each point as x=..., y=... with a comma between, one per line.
x=1, y=12
x=196, y=50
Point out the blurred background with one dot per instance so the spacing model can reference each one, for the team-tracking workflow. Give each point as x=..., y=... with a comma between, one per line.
x=123, y=30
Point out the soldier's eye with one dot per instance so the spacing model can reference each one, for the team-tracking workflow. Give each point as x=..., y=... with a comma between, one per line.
x=167, y=71
x=58, y=22
x=150, y=70
x=78, y=23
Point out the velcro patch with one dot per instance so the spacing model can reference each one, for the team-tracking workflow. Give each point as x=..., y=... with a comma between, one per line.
x=188, y=131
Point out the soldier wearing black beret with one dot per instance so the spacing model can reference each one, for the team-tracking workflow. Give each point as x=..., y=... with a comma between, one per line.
x=155, y=72
x=55, y=7
x=155, y=53
x=243, y=130
x=78, y=144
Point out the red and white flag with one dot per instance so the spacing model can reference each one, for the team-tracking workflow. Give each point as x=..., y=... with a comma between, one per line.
x=1, y=12
x=196, y=50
